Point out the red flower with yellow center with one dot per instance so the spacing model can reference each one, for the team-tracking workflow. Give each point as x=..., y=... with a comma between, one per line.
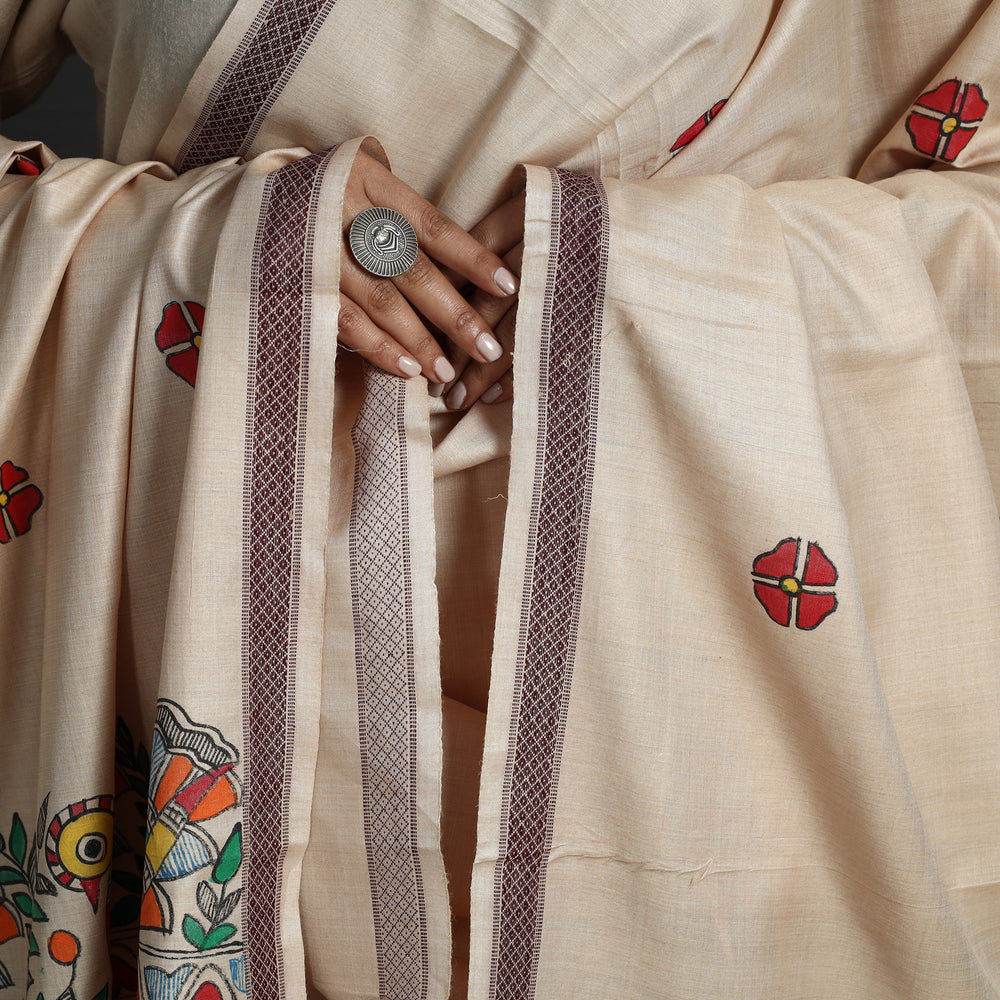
x=19, y=500
x=795, y=581
x=179, y=337
x=946, y=118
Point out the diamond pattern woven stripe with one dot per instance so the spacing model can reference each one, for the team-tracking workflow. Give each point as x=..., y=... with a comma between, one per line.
x=252, y=80
x=568, y=399
x=383, y=630
x=276, y=401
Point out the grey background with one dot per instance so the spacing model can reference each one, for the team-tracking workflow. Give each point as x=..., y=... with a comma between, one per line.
x=65, y=116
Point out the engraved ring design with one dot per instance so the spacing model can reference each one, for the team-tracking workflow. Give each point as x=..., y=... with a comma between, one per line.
x=383, y=242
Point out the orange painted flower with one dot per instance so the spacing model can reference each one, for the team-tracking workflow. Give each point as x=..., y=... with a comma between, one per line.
x=64, y=947
x=9, y=927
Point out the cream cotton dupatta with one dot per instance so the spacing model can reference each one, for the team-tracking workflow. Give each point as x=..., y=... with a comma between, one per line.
x=741, y=738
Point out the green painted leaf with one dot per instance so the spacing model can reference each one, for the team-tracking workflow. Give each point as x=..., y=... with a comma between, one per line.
x=28, y=906
x=193, y=932
x=8, y=875
x=33, y=948
x=229, y=857
x=18, y=840
x=218, y=935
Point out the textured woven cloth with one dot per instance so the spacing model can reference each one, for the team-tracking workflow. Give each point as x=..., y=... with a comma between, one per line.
x=678, y=677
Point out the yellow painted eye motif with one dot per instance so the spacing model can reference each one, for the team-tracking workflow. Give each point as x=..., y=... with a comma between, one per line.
x=83, y=846
x=78, y=845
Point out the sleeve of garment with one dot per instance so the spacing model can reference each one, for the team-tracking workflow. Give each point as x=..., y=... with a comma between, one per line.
x=799, y=385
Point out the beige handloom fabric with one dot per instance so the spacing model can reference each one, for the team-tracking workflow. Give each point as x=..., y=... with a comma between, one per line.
x=677, y=678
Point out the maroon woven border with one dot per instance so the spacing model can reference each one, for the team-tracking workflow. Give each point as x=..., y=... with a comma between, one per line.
x=252, y=81
x=567, y=427
x=275, y=436
x=383, y=636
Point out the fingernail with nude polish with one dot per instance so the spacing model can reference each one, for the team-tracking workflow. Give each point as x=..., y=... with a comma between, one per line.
x=443, y=370
x=505, y=280
x=488, y=347
x=408, y=366
x=435, y=389
x=492, y=394
x=456, y=397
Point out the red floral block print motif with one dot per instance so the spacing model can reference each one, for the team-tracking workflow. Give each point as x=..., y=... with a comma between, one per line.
x=22, y=165
x=946, y=118
x=19, y=500
x=179, y=337
x=797, y=581
x=692, y=132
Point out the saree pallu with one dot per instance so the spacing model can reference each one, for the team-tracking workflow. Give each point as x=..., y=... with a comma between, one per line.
x=732, y=554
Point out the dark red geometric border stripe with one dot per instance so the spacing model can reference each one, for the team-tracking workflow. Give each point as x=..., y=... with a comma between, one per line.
x=381, y=589
x=276, y=404
x=567, y=420
x=252, y=80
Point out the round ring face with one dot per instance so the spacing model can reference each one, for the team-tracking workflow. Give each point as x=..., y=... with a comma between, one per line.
x=383, y=242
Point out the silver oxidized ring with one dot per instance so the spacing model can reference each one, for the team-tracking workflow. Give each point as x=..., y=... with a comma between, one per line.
x=383, y=242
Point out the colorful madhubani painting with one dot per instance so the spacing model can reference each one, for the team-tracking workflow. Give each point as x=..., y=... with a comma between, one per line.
x=153, y=872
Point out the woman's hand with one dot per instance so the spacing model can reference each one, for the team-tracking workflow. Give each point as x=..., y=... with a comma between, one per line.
x=502, y=231
x=383, y=319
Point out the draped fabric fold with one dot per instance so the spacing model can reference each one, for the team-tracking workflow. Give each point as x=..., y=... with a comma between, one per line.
x=676, y=677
